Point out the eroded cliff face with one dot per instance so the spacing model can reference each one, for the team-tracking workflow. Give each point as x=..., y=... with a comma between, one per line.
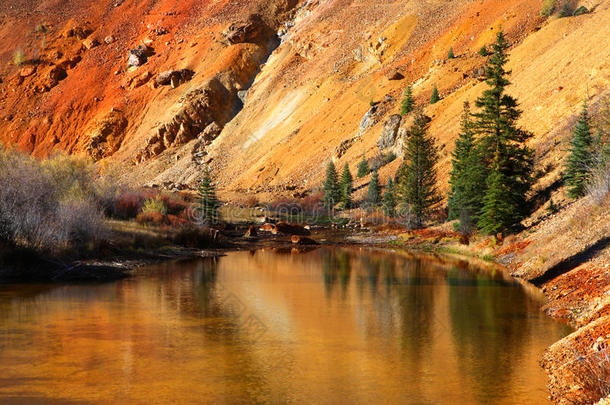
x=266, y=92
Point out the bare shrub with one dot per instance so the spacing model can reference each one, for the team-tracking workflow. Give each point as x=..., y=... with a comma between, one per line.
x=48, y=206
x=599, y=187
x=592, y=375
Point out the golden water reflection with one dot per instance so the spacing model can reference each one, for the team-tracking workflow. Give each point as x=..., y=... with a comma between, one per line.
x=331, y=326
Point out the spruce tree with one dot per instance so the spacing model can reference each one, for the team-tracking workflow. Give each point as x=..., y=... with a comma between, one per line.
x=347, y=187
x=373, y=195
x=330, y=187
x=363, y=167
x=502, y=145
x=450, y=54
x=434, y=98
x=483, y=51
x=408, y=104
x=580, y=162
x=467, y=177
x=208, y=204
x=389, y=199
x=417, y=175
x=498, y=212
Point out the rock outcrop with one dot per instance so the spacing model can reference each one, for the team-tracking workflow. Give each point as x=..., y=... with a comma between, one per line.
x=389, y=132
x=107, y=135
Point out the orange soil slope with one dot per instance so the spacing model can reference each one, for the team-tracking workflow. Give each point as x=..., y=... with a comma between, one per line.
x=303, y=98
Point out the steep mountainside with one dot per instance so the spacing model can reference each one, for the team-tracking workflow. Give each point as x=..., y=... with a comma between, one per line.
x=267, y=92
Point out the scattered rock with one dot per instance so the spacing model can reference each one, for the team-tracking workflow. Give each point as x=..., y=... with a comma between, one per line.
x=109, y=39
x=344, y=147
x=387, y=138
x=90, y=43
x=27, y=71
x=174, y=77
x=107, y=135
x=139, y=55
x=140, y=80
x=210, y=132
x=395, y=75
x=78, y=32
x=253, y=30
x=290, y=229
x=368, y=120
x=251, y=233
x=302, y=240
x=57, y=73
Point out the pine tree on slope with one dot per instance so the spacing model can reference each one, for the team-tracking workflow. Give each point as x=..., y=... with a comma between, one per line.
x=580, y=162
x=330, y=187
x=347, y=187
x=208, y=204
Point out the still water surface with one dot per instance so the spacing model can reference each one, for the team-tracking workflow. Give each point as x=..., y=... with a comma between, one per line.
x=331, y=326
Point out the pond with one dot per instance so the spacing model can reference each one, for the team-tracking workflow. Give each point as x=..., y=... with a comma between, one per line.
x=328, y=326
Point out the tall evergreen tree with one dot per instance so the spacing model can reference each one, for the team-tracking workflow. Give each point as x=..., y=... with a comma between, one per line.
x=417, y=175
x=373, y=195
x=389, y=199
x=208, y=204
x=450, y=54
x=363, y=167
x=467, y=177
x=330, y=187
x=408, y=104
x=580, y=162
x=498, y=212
x=434, y=98
x=503, y=143
x=347, y=187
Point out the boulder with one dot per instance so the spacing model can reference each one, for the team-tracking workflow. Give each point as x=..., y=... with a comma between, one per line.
x=290, y=229
x=139, y=56
x=109, y=39
x=303, y=240
x=368, y=120
x=174, y=77
x=251, y=232
x=254, y=30
x=395, y=74
x=140, y=80
x=57, y=73
x=268, y=227
x=27, y=71
x=389, y=131
x=210, y=132
x=90, y=43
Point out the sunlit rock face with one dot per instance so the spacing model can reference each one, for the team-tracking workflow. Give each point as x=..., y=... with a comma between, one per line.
x=267, y=92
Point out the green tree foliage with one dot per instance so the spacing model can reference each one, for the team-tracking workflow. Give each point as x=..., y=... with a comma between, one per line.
x=208, y=204
x=580, y=162
x=467, y=177
x=483, y=51
x=331, y=188
x=347, y=187
x=498, y=212
x=408, y=104
x=567, y=10
x=389, y=199
x=503, y=148
x=373, y=195
x=363, y=168
x=450, y=54
x=417, y=176
x=434, y=98
x=548, y=7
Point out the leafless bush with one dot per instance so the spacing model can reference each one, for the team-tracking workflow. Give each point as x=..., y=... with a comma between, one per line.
x=592, y=374
x=50, y=205
x=599, y=187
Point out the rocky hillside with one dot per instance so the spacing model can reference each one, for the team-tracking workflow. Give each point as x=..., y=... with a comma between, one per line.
x=266, y=92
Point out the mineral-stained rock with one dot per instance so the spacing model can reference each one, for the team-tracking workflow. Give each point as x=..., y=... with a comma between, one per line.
x=395, y=74
x=107, y=135
x=90, y=43
x=57, y=73
x=388, y=133
x=27, y=71
x=290, y=229
x=251, y=232
x=302, y=240
x=252, y=30
x=178, y=76
x=138, y=56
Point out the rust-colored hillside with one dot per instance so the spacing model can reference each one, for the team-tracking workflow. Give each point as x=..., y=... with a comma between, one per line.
x=267, y=92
